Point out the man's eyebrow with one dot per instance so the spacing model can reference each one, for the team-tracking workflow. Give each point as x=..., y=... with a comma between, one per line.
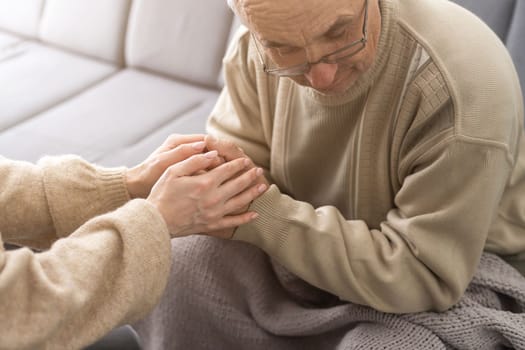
x=272, y=44
x=338, y=23
x=341, y=21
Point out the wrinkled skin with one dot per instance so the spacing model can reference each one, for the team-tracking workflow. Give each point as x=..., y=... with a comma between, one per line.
x=302, y=25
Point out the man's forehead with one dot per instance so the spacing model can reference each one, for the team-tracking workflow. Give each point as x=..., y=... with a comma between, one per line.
x=287, y=3
x=275, y=20
x=340, y=22
x=293, y=8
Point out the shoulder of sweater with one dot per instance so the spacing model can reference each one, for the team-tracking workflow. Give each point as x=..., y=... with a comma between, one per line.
x=240, y=63
x=239, y=44
x=471, y=68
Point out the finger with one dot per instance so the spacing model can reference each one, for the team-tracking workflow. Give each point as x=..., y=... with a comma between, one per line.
x=239, y=184
x=220, y=160
x=229, y=222
x=226, y=148
x=181, y=152
x=243, y=199
x=193, y=164
x=175, y=140
x=228, y=170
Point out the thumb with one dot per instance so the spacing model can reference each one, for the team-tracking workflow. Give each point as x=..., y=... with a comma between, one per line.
x=181, y=152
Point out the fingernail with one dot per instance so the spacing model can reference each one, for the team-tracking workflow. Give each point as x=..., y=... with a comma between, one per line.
x=246, y=162
x=261, y=188
x=259, y=172
x=211, y=154
x=198, y=145
x=254, y=216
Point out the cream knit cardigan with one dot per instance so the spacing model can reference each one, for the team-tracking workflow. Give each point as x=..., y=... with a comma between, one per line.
x=105, y=259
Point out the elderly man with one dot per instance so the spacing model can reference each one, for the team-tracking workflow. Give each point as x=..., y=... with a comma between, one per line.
x=106, y=258
x=392, y=134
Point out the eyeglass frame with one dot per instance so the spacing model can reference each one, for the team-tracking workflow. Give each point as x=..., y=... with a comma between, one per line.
x=282, y=72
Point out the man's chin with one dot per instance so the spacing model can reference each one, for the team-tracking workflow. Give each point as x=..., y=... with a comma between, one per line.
x=337, y=88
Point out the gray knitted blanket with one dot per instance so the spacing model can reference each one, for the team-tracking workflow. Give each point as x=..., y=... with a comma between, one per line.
x=230, y=295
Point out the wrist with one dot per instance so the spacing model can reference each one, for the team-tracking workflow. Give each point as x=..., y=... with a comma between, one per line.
x=133, y=183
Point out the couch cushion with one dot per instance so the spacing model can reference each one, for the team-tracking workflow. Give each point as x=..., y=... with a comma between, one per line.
x=191, y=121
x=120, y=120
x=172, y=38
x=92, y=27
x=21, y=16
x=35, y=77
x=6, y=41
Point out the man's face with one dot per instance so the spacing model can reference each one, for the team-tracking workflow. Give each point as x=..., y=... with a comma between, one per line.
x=292, y=32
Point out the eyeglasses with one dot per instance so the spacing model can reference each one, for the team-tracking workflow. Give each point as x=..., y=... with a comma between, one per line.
x=331, y=58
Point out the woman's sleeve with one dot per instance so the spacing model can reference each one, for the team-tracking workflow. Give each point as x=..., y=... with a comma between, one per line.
x=109, y=272
x=40, y=203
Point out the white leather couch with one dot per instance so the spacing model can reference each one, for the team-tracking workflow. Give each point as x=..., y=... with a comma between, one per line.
x=107, y=79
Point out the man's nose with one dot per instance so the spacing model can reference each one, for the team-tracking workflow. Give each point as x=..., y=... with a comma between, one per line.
x=321, y=75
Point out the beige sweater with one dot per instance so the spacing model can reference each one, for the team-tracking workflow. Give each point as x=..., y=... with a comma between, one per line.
x=100, y=272
x=387, y=194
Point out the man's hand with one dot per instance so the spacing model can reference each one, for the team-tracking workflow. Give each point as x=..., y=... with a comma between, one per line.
x=229, y=151
x=176, y=148
x=192, y=201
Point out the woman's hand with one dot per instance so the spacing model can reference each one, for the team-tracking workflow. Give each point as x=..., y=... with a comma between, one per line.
x=195, y=201
x=176, y=148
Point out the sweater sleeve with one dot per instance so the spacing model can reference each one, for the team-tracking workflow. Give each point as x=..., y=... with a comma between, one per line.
x=426, y=251
x=110, y=271
x=40, y=203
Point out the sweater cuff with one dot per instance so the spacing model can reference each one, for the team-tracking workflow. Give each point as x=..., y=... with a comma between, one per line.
x=78, y=191
x=113, y=189
x=268, y=231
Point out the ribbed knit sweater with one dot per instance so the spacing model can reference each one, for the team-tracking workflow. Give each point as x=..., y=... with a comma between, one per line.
x=387, y=195
x=100, y=266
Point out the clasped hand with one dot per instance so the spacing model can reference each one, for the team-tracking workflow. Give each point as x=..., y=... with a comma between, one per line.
x=198, y=185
